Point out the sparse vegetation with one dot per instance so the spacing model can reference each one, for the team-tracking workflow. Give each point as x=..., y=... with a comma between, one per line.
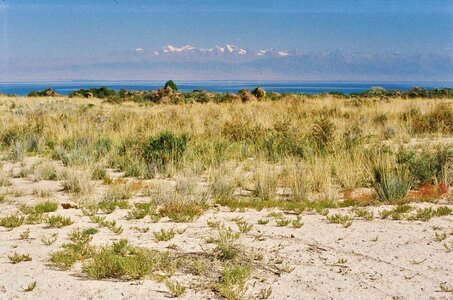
x=18, y=258
x=233, y=285
x=58, y=221
x=45, y=207
x=285, y=162
x=30, y=287
x=182, y=211
x=164, y=235
x=124, y=261
x=49, y=240
x=77, y=183
x=11, y=221
x=102, y=222
x=390, y=183
x=25, y=234
x=175, y=288
x=297, y=222
x=344, y=220
x=227, y=246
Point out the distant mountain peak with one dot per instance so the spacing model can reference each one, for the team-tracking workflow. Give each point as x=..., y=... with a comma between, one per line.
x=222, y=49
x=173, y=49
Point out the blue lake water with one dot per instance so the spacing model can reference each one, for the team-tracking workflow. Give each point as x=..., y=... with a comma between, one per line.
x=308, y=87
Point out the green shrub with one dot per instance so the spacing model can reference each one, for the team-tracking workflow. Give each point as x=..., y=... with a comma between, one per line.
x=164, y=150
x=171, y=84
x=11, y=221
x=46, y=207
x=102, y=92
x=78, y=249
x=143, y=209
x=443, y=211
x=123, y=261
x=44, y=93
x=17, y=258
x=233, y=281
x=428, y=164
x=259, y=93
x=164, y=235
x=175, y=288
x=227, y=246
x=58, y=221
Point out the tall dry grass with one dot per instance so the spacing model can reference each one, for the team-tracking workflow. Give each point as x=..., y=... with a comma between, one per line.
x=331, y=141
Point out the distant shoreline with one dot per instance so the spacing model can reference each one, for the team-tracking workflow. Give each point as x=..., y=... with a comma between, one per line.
x=220, y=86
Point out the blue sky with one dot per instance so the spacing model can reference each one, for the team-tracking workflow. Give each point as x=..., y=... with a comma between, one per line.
x=61, y=28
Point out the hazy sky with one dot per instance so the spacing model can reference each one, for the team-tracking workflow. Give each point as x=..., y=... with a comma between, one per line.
x=59, y=28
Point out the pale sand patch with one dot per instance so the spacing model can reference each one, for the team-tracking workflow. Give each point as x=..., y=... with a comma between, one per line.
x=378, y=259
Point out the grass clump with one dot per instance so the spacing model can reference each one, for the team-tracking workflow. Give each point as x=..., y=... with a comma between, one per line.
x=46, y=207
x=244, y=227
x=78, y=249
x=182, y=211
x=98, y=172
x=143, y=209
x=116, y=197
x=25, y=234
x=34, y=218
x=175, y=288
x=18, y=258
x=422, y=214
x=298, y=182
x=11, y=221
x=41, y=193
x=397, y=213
x=265, y=183
x=111, y=225
x=263, y=221
x=124, y=261
x=344, y=220
x=222, y=186
x=77, y=183
x=90, y=231
x=443, y=211
x=227, y=246
x=233, y=284
x=364, y=213
x=164, y=235
x=425, y=214
x=390, y=183
x=49, y=240
x=46, y=171
x=297, y=222
x=282, y=222
x=30, y=287
x=58, y=221
x=4, y=180
x=428, y=165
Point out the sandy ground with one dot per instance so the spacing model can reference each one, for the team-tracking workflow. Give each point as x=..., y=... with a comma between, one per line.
x=378, y=259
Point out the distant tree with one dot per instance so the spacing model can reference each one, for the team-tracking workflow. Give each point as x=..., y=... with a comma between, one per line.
x=171, y=84
x=259, y=92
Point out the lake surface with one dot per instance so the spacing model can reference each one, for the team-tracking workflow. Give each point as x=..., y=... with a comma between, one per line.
x=308, y=87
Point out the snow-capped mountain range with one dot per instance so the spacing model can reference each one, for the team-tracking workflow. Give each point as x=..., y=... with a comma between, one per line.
x=224, y=49
x=228, y=61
